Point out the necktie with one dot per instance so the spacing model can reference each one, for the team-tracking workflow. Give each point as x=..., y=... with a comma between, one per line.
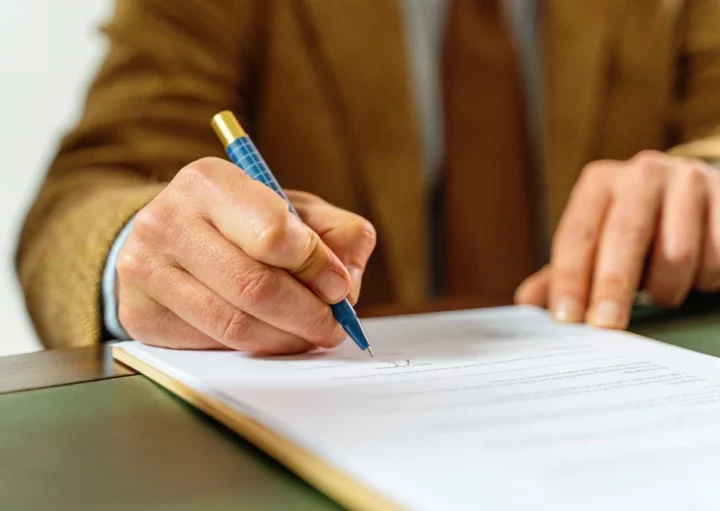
x=487, y=239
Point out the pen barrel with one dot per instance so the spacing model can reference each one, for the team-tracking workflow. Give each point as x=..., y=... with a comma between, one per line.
x=245, y=155
x=345, y=314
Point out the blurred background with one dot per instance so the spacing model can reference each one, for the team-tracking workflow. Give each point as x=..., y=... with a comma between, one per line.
x=49, y=52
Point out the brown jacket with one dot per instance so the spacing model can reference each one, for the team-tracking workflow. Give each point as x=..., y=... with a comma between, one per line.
x=324, y=89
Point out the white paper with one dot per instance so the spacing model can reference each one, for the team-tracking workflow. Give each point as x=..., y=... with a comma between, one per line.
x=497, y=409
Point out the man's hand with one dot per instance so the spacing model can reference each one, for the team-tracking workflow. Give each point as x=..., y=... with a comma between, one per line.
x=218, y=261
x=651, y=223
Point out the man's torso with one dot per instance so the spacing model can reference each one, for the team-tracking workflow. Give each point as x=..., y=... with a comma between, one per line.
x=337, y=99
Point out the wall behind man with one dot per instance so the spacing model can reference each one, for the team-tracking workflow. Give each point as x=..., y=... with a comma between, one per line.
x=49, y=51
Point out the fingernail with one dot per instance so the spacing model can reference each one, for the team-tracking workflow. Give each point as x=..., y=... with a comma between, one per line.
x=568, y=310
x=332, y=286
x=607, y=314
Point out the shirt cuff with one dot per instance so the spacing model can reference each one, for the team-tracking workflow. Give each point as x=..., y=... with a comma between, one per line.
x=110, y=305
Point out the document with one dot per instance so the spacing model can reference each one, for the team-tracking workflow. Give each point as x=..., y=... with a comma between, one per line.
x=496, y=409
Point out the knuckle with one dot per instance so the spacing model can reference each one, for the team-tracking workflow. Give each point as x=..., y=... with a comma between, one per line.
x=363, y=231
x=646, y=167
x=593, y=174
x=693, y=180
x=696, y=174
x=681, y=255
x=632, y=229
x=594, y=177
x=277, y=234
x=200, y=171
x=257, y=286
x=593, y=171
x=133, y=320
x=567, y=277
x=580, y=234
x=612, y=284
x=649, y=158
x=368, y=232
x=586, y=234
x=232, y=326
x=152, y=222
x=131, y=265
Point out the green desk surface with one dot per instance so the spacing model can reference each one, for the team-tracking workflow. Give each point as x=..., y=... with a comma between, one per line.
x=128, y=444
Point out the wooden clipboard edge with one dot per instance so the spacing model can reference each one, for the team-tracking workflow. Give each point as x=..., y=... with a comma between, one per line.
x=313, y=469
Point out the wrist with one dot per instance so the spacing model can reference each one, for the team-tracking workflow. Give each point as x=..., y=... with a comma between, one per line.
x=109, y=288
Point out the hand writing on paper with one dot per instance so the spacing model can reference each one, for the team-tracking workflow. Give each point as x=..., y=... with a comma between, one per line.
x=217, y=261
x=651, y=222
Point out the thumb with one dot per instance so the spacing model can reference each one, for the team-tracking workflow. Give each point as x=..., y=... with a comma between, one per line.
x=322, y=271
x=353, y=243
x=349, y=236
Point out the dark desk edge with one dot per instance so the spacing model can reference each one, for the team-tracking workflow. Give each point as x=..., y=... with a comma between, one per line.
x=53, y=368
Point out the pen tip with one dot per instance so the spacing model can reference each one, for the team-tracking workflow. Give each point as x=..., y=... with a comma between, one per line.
x=370, y=351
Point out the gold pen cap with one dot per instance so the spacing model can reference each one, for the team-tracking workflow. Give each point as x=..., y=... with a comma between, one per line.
x=227, y=127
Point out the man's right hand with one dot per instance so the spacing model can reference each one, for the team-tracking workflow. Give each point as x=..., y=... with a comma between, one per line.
x=218, y=261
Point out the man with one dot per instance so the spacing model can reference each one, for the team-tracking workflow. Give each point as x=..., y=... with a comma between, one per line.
x=423, y=117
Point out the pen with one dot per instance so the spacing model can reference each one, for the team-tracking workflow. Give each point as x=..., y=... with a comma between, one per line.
x=243, y=153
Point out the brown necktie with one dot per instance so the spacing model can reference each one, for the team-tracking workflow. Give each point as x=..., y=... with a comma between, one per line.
x=488, y=245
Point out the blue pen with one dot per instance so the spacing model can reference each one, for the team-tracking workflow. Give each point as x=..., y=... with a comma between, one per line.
x=245, y=155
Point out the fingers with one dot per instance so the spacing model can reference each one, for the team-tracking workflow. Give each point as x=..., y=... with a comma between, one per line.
x=259, y=222
x=150, y=273
x=617, y=213
x=349, y=236
x=628, y=230
x=153, y=324
x=576, y=241
x=676, y=252
x=535, y=289
x=708, y=277
x=266, y=293
x=205, y=311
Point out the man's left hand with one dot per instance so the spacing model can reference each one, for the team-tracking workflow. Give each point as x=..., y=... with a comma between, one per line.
x=651, y=223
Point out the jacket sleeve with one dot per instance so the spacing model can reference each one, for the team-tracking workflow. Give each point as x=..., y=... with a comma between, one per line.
x=170, y=67
x=699, y=109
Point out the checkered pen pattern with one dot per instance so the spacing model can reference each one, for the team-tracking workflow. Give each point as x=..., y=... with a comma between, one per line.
x=244, y=153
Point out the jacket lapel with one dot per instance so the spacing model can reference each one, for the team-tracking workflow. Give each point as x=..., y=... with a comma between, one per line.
x=576, y=51
x=644, y=79
x=361, y=47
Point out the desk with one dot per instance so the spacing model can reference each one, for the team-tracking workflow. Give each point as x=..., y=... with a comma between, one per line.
x=78, y=431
